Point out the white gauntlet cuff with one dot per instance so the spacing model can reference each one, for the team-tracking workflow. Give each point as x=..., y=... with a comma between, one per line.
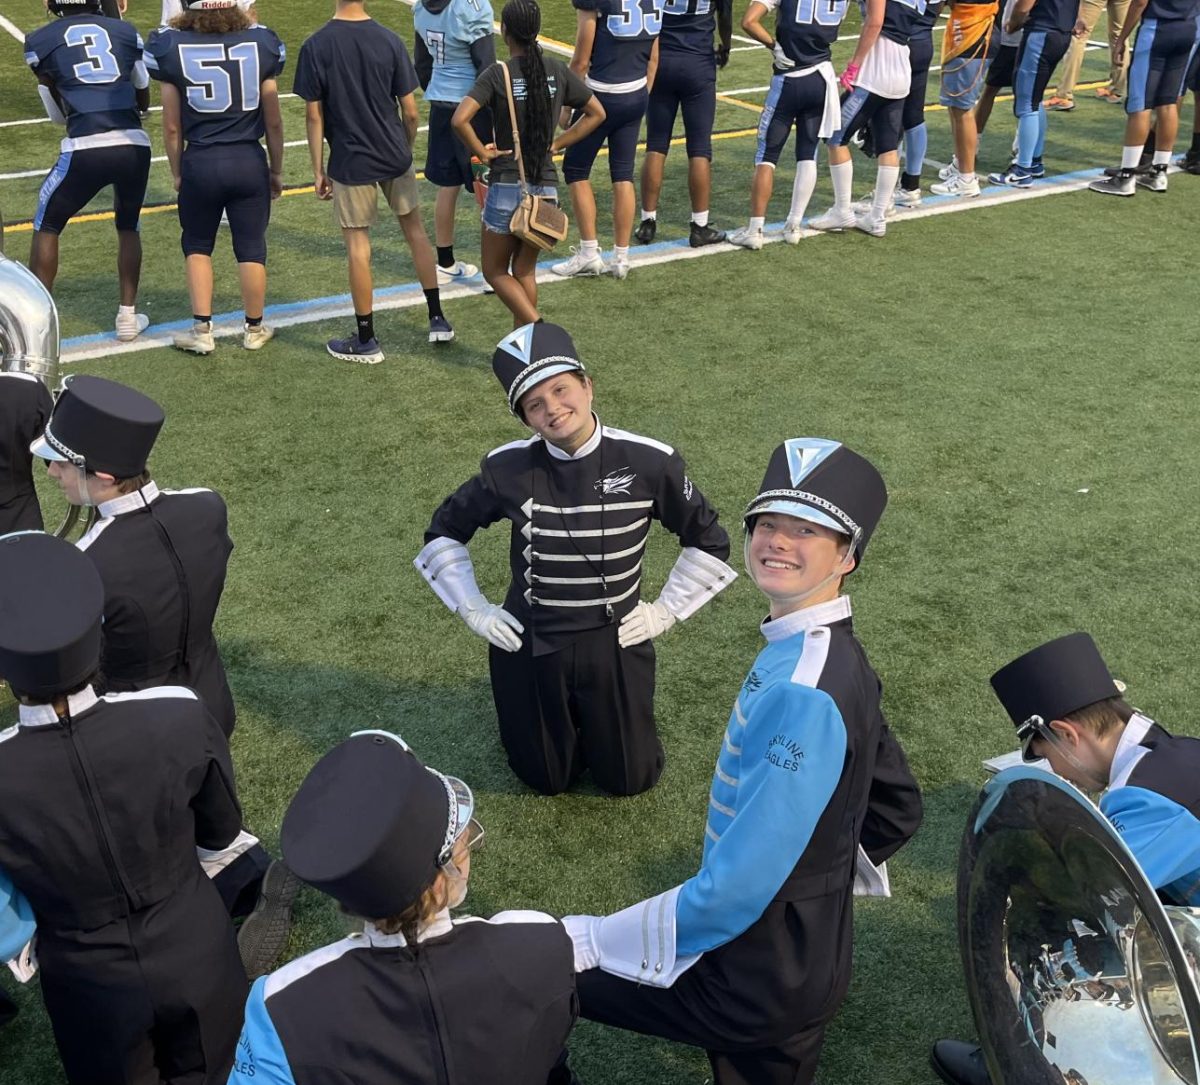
x=695, y=578
x=638, y=943
x=447, y=569
x=214, y=862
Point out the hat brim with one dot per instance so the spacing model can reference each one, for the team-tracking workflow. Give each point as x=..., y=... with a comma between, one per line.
x=464, y=804
x=544, y=374
x=801, y=512
x=42, y=448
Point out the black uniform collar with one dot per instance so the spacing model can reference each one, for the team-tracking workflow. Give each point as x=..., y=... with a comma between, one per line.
x=139, y=499
x=1129, y=750
x=43, y=715
x=806, y=618
x=593, y=443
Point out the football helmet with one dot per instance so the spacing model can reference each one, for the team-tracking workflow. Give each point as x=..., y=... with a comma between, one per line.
x=75, y=7
x=209, y=5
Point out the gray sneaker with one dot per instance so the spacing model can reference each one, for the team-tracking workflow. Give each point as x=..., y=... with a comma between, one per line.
x=1124, y=184
x=1154, y=181
x=264, y=932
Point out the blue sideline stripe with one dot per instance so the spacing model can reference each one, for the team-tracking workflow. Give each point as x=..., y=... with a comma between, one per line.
x=293, y=308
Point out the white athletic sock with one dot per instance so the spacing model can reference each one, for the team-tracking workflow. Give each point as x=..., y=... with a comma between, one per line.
x=1130, y=156
x=885, y=186
x=968, y=177
x=126, y=310
x=802, y=189
x=700, y=218
x=589, y=248
x=620, y=253
x=757, y=222
x=842, y=176
x=1162, y=158
x=651, y=215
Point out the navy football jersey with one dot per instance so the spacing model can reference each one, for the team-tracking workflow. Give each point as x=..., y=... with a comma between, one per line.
x=1053, y=15
x=924, y=23
x=219, y=78
x=688, y=26
x=807, y=28
x=625, y=33
x=1170, y=10
x=901, y=19
x=90, y=60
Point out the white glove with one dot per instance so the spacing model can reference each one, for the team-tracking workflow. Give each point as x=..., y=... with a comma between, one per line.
x=25, y=965
x=645, y=621
x=492, y=622
x=583, y=929
x=782, y=60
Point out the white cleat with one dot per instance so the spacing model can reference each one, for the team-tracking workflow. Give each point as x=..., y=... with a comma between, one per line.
x=867, y=203
x=256, y=336
x=618, y=268
x=456, y=272
x=871, y=223
x=130, y=325
x=197, y=341
x=906, y=199
x=956, y=185
x=580, y=265
x=833, y=219
x=793, y=232
x=746, y=238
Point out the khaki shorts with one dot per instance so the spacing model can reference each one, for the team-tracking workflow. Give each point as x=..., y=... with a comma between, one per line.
x=357, y=206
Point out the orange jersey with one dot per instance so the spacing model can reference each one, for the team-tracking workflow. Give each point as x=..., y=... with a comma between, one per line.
x=969, y=28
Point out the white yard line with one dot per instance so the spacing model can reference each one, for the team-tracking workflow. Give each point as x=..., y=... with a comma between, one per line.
x=14, y=30
x=153, y=109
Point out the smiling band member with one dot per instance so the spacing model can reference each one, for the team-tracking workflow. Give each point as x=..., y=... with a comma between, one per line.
x=750, y=958
x=572, y=666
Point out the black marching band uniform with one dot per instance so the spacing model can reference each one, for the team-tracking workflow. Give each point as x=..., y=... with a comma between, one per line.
x=25, y=405
x=572, y=696
x=162, y=557
x=751, y=957
x=104, y=802
x=473, y=1001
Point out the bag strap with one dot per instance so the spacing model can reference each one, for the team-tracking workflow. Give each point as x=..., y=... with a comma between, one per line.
x=512, y=116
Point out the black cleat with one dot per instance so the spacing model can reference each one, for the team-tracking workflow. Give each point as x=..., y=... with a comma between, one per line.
x=704, y=235
x=1191, y=161
x=959, y=1063
x=646, y=231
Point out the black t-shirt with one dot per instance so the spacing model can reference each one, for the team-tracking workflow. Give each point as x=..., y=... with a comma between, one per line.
x=357, y=69
x=564, y=87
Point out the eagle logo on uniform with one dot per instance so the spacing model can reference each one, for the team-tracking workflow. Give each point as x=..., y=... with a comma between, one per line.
x=615, y=482
x=687, y=488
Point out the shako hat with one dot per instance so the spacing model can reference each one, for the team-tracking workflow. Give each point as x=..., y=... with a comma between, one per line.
x=1054, y=680
x=826, y=483
x=371, y=824
x=531, y=354
x=101, y=425
x=51, y=602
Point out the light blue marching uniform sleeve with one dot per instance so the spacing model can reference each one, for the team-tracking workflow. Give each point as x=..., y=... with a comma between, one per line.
x=1163, y=836
x=260, y=1056
x=17, y=925
x=790, y=758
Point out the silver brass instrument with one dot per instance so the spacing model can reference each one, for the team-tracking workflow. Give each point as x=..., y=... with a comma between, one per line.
x=29, y=343
x=1077, y=974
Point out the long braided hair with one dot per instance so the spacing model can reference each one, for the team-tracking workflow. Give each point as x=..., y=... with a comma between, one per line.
x=523, y=19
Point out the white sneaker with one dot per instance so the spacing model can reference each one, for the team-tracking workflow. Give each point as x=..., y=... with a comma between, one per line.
x=746, y=238
x=956, y=185
x=618, y=268
x=580, y=264
x=871, y=223
x=131, y=325
x=793, y=232
x=256, y=336
x=457, y=271
x=833, y=219
x=906, y=199
x=198, y=341
x=867, y=204
x=946, y=172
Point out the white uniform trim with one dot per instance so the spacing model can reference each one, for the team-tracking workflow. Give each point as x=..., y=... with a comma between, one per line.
x=9, y=732
x=310, y=962
x=637, y=438
x=1129, y=750
x=513, y=444
x=43, y=715
x=516, y=915
x=97, y=529
x=20, y=376
x=590, y=558
x=554, y=533
x=614, y=506
x=157, y=693
x=537, y=578
x=813, y=655
x=608, y=600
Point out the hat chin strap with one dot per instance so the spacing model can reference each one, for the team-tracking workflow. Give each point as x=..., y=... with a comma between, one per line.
x=1047, y=732
x=796, y=601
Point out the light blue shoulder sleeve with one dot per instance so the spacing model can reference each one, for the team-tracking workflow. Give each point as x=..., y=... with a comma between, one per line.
x=260, y=1057
x=475, y=20
x=17, y=925
x=793, y=753
x=1163, y=836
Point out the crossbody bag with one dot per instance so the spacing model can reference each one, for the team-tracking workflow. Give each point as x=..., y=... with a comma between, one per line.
x=537, y=221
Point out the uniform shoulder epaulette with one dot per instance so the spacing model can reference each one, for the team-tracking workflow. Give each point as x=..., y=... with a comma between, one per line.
x=615, y=434
x=157, y=692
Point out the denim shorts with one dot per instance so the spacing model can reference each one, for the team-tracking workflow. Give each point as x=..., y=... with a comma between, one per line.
x=502, y=201
x=962, y=82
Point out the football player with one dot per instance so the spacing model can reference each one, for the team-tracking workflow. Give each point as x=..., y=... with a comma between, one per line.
x=453, y=44
x=92, y=80
x=1048, y=26
x=877, y=79
x=1191, y=160
x=687, y=79
x=1166, y=43
x=616, y=49
x=803, y=94
x=219, y=94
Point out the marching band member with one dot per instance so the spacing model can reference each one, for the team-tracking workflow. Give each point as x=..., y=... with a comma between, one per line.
x=750, y=958
x=572, y=665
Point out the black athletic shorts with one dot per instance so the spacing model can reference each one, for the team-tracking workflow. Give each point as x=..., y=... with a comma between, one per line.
x=687, y=81
x=1000, y=74
x=447, y=160
x=77, y=178
x=622, y=122
x=229, y=178
x=862, y=107
x=1158, y=69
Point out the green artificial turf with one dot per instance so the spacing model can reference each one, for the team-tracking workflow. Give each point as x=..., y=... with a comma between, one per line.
x=1024, y=376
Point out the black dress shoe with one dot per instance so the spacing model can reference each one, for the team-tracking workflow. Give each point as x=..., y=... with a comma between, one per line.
x=959, y=1063
x=645, y=231
x=705, y=235
x=8, y=1009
